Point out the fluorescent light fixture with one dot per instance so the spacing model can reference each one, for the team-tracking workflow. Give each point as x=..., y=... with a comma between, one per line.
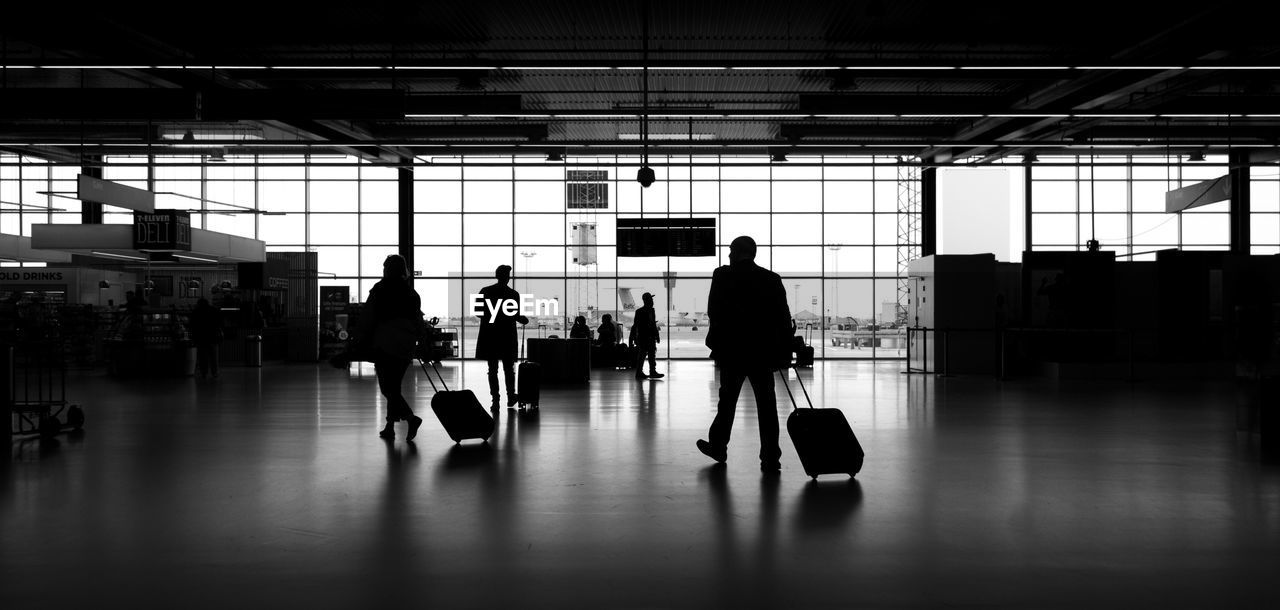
x=854, y=116
x=124, y=256
x=434, y=116
x=1105, y=115
x=195, y=258
x=669, y=136
x=595, y=116
x=1131, y=67
x=788, y=68
x=1014, y=68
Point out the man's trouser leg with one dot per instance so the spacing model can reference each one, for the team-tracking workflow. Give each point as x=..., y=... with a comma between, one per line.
x=493, y=379
x=767, y=411
x=730, y=386
x=508, y=375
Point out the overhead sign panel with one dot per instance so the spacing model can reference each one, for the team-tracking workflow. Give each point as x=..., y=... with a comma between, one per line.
x=1198, y=194
x=106, y=192
x=666, y=237
x=162, y=230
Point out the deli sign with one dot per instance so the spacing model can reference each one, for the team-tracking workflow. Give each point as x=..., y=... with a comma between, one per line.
x=162, y=230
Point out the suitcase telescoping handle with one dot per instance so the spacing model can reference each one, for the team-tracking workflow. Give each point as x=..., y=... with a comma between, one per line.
x=783, y=373
x=432, y=363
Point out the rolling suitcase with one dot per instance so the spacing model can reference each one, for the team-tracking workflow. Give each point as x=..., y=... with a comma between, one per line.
x=459, y=411
x=822, y=437
x=528, y=384
x=528, y=377
x=803, y=348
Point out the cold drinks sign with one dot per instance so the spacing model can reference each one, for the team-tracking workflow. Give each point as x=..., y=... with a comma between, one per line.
x=162, y=230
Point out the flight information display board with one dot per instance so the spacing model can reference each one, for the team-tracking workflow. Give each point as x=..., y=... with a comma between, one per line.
x=638, y=237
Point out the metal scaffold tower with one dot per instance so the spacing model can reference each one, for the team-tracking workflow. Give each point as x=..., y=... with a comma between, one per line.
x=908, y=229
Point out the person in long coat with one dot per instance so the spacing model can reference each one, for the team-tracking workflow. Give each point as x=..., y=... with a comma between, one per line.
x=389, y=329
x=750, y=336
x=496, y=341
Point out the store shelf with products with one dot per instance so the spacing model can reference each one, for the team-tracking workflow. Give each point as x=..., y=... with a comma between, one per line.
x=153, y=343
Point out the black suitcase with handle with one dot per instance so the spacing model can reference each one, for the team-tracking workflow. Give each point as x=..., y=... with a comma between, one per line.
x=822, y=437
x=528, y=384
x=458, y=410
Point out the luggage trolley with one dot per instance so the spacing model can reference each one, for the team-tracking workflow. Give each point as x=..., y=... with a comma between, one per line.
x=38, y=390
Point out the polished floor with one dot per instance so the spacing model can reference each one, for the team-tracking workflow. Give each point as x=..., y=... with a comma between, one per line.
x=270, y=488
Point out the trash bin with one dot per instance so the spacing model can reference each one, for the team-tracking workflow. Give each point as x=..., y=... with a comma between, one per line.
x=253, y=350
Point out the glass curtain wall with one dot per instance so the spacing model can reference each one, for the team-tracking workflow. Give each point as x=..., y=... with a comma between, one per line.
x=1119, y=200
x=1264, y=205
x=830, y=226
x=34, y=191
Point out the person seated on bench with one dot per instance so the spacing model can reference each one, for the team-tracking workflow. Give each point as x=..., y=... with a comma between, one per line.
x=606, y=349
x=580, y=329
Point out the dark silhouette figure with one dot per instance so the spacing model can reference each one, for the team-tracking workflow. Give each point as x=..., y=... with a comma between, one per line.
x=206, y=333
x=606, y=345
x=750, y=337
x=389, y=329
x=580, y=330
x=645, y=338
x=607, y=334
x=496, y=341
x=133, y=304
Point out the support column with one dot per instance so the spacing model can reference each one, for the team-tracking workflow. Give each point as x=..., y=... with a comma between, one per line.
x=404, y=216
x=91, y=211
x=1026, y=204
x=1240, y=205
x=929, y=211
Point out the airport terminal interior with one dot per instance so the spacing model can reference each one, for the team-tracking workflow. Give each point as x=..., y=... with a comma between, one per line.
x=1030, y=260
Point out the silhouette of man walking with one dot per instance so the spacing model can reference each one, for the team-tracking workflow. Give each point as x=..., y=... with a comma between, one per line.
x=749, y=335
x=496, y=341
x=645, y=338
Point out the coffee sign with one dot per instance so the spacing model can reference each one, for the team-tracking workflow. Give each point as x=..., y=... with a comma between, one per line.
x=162, y=230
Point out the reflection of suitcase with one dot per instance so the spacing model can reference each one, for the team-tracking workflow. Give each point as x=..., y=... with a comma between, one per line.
x=459, y=411
x=822, y=437
x=528, y=384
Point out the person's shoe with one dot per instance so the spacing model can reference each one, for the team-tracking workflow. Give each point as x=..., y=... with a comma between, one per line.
x=719, y=455
x=656, y=375
x=641, y=376
x=770, y=467
x=511, y=401
x=415, y=422
x=388, y=432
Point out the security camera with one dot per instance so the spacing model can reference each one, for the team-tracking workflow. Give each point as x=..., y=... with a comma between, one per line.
x=646, y=176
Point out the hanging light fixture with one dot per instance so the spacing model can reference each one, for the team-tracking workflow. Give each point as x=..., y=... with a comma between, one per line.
x=645, y=176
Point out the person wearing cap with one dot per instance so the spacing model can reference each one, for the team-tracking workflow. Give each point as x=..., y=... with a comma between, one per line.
x=645, y=338
x=750, y=337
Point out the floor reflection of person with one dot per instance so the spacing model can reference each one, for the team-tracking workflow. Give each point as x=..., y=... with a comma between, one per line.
x=750, y=337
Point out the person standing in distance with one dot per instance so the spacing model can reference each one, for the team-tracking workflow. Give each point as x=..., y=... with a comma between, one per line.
x=390, y=325
x=750, y=337
x=645, y=337
x=496, y=341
